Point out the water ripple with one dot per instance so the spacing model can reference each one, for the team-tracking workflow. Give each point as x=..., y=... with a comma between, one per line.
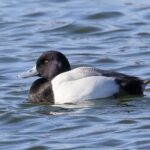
x=109, y=35
x=105, y=15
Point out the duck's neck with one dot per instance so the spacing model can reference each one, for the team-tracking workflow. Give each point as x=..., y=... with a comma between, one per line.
x=50, y=78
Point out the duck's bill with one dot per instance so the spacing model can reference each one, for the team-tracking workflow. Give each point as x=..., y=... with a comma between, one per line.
x=30, y=73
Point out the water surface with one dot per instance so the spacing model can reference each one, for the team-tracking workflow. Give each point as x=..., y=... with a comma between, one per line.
x=104, y=34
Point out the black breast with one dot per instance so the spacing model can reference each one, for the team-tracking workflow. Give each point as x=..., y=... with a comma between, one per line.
x=41, y=91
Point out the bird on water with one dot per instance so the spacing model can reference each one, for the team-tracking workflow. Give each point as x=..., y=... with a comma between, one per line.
x=59, y=84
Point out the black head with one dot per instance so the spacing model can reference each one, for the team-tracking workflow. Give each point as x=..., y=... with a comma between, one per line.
x=52, y=63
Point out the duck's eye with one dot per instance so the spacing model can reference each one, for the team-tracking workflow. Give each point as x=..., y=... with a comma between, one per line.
x=45, y=61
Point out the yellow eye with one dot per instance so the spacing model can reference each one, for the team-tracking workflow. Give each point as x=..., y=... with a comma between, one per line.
x=45, y=61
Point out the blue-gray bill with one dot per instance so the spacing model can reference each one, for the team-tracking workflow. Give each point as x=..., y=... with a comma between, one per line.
x=30, y=73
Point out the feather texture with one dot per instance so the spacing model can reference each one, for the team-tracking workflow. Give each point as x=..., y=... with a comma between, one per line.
x=82, y=84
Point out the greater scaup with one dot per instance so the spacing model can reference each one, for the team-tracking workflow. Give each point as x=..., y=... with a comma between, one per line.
x=59, y=84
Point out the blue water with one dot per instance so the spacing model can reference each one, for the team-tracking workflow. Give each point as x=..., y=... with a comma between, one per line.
x=104, y=34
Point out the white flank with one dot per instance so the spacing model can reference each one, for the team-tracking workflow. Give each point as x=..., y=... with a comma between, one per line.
x=78, y=84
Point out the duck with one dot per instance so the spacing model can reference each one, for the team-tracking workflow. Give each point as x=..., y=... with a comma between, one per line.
x=59, y=84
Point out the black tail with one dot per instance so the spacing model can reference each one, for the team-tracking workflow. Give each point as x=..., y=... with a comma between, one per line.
x=133, y=86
